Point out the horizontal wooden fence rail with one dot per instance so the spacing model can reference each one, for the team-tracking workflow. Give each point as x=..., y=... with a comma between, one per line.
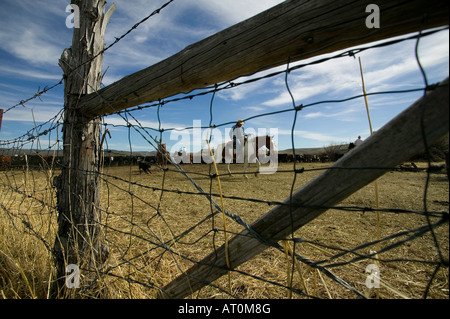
x=295, y=29
x=396, y=142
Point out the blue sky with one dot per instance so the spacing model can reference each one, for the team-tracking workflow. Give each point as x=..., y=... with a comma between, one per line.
x=33, y=36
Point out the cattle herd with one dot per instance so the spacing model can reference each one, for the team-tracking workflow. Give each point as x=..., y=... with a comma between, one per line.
x=303, y=158
x=10, y=159
x=144, y=163
x=28, y=161
x=40, y=162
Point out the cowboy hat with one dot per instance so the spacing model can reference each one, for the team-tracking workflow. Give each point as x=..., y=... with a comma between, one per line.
x=240, y=121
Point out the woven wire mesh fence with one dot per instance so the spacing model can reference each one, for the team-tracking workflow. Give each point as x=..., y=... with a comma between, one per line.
x=165, y=213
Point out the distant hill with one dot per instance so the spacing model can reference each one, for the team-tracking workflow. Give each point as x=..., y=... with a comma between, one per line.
x=338, y=148
x=21, y=152
x=309, y=151
x=127, y=153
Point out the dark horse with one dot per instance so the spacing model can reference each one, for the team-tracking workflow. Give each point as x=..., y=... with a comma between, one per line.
x=250, y=152
x=162, y=156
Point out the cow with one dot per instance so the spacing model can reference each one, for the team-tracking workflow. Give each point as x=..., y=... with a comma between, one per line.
x=290, y=158
x=324, y=157
x=282, y=158
x=144, y=166
x=5, y=162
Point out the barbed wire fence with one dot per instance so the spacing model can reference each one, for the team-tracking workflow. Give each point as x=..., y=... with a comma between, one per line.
x=160, y=225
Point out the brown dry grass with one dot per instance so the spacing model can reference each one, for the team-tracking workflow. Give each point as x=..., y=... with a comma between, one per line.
x=135, y=229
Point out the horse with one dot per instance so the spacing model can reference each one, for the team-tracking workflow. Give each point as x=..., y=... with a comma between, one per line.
x=250, y=152
x=162, y=155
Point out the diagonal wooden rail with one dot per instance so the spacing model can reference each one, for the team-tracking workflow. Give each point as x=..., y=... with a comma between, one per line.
x=400, y=139
x=294, y=29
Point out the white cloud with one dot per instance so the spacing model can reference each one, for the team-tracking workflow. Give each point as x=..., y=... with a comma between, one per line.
x=243, y=91
x=180, y=24
x=328, y=78
x=345, y=112
x=35, y=34
x=257, y=109
x=118, y=121
x=318, y=137
x=315, y=115
x=27, y=73
x=34, y=47
x=25, y=33
x=25, y=114
x=233, y=11
x=387, y=68
x=126, y=58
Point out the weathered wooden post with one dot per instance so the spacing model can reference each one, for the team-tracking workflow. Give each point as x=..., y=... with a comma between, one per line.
x=266, y=40
x=79, y=241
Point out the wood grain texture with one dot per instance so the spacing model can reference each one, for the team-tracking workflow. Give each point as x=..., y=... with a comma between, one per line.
x=295, y=29
x=78, y=193
x=396, y=142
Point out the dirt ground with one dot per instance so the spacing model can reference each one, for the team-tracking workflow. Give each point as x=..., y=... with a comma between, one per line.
x=158, y=225
x=155, y=208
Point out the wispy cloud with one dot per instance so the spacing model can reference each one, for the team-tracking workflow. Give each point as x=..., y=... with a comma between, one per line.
x=146, y=124
x=384, y=69
x=34, y=73
x=33, y=36
x=234, y=11
x=28, y=36
x=179, y=25
x=318, y=137
x=25, y=114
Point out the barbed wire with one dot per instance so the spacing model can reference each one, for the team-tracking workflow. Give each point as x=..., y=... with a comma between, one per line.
x=167, y=242
x=117, y=40
x=232, y=84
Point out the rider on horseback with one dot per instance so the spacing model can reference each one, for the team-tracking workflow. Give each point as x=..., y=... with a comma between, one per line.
x=239, y=137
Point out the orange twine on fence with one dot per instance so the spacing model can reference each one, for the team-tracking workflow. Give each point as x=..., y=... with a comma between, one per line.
x=376, y=181
x=223, y=214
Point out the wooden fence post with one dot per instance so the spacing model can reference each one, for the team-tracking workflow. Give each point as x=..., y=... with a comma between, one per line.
x=397, y=141
x=294, y=29
x=78, y=240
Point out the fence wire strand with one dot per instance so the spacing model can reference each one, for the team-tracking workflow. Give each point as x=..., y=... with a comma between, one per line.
x=158, y=230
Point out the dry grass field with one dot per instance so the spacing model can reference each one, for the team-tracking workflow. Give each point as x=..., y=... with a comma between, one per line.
x=139, y=219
